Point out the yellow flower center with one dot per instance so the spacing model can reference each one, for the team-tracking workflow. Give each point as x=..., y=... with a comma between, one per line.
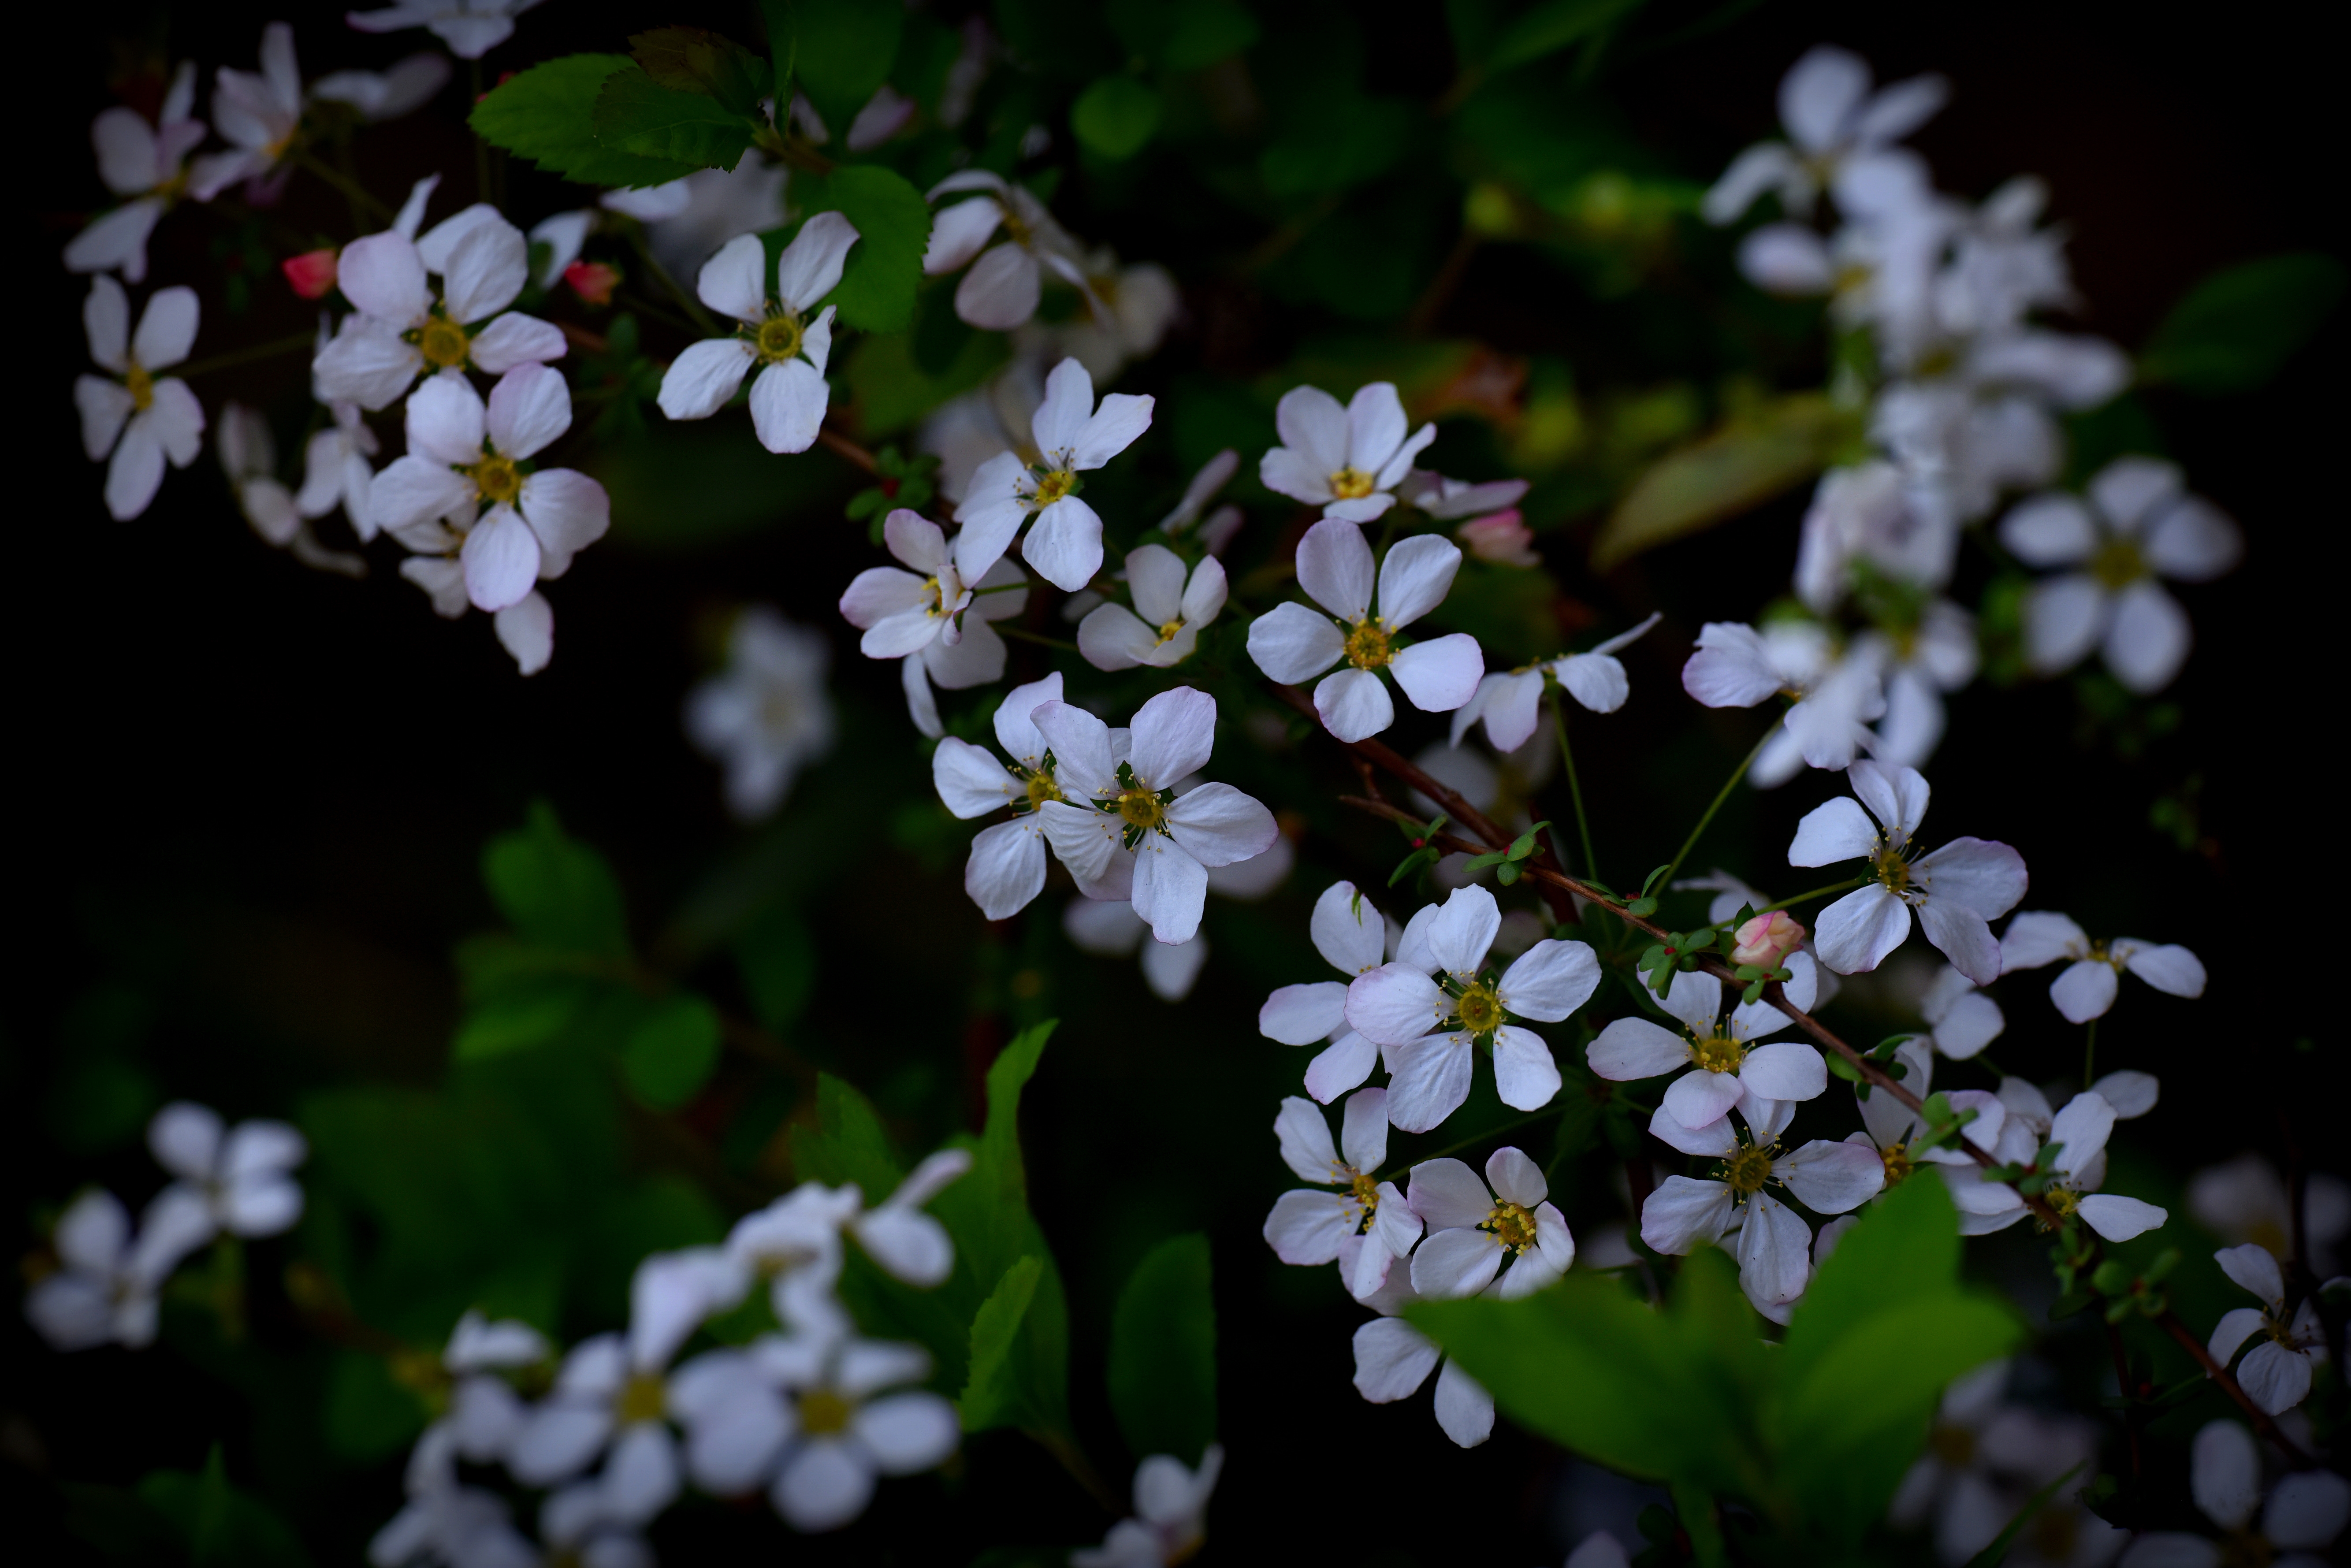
x=937, y=597
x=1748, y=1170
x=495, y=480
x=443, y=342
x=2118, y=564
x=1350, y=484
x=779, y=337
x=1053, y=485
x=643, y=1398
x=1897, y=1163
x=2064, y=1200
x=1040, y=788
x=1512, y=1224
x=1891, y=868
x=1367, y=644
x=1141, y=809
x=1479, y=1009
x=822, y=1412
x=1718, y=1052
x=1167, y=632
x=141, y=385
x=1366, y=1192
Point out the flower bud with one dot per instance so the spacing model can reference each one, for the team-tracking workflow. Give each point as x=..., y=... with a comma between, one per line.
x=593, y=281
x=1766, y=940
x=312, y=273
x=1502, y=538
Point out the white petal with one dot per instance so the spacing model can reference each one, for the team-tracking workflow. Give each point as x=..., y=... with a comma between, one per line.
x=701, y=379
x=1634, y=1048
x=2171, y=968
x=824, y=1485
x=1065, y=544
x=1526, y=1077
x=2083, y=990
x=1835, y=831
x=512, y=339
x=527, y=410
x=810, y=268
x=1347, y=930
x=1334, y=568
x=383, y=275
x=1292, y=645
x=1170, y=887
x=1832, y=1178
x=2148, y=640
x=1354, y=705
x=1455, y=1263
x=501, y=558
x=1439, y=674
x=2119, y=1218
x=1311, y=424
x=1347, y=1062
x=787, y=405
x=732, y=281
x=2064, y=619
x=1549, y=980
x=1429, y=1079
x=1006, y=868
x=907, y=1432
x=1683, y=1214
x=2308, y=1510
x=1855, y=933
x=1172, y=736
x=1000, y=291
x=1392, y=1359
x=2050, y=530
x=167, y=328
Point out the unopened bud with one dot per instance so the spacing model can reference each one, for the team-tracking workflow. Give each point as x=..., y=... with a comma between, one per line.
x=312, y=273
x=1766, y=940
x=1502, y=538
x=593, y=281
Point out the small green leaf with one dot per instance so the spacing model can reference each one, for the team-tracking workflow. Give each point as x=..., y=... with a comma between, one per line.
x=1777, y=447
x=637, y=115
x=1163, y=1353
x=520, y=1013
x=1115, y=116
x=670, y=1055
x=1642, y=907
x=547, y=114
x=554, y=889
x=2237, y=328
x=1551, y=27
x=893, y=229
x=842, y=52
x=847, y=1145
x=695, y=59
x=990, y=1396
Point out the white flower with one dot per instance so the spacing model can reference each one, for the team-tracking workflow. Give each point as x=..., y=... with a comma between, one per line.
x=919, y=617
x=470, y=27
x=2139, y=524
x=1000, y=291
x=719, y=204
x=1351, y=935
x=1292, y=645
x=1983, y=1457
x=443, y=1522
x=104, y=1293
x=2306, y=1510
x=486, y=1414
x=2003, y=266
x=1110, y=930
x=766, y=715
x=1072, y=436
x=248, y=455
x=258, y=116
x=1171, y=1509
x=1774, y=1244
x=2076, y=1171
x=1007, y=866
x=1109, y=801
x=592, y=1522
x=2244, y=1200
x=1918, y=663
x=1963, y=1019
x=378, y=95
x=141, y=162
x=1836, y=696
x=141, y=421
x=2086, y=988
x=1834, y=121
x=1727, y=1066
x=1510, y=702
x=1439, y=496
x=1392, y=1359
x=1129, y=311
x=336, y=471
x=1439, y=997
x=1515, y=1231
x=402, y=330
x=2277, y=1371
x=1164, y=627
x=1868, y=513
x=795, y=1242
x=788, y=400
x=240, y=1172
x=1347, y=461
x=1310, y=1227
x=1958, y=890
x=844, y=1431
x=1890, y=1126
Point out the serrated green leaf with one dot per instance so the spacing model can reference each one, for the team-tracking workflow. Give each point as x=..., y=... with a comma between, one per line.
x=547, y=114
x=1115, y=116
x=1163, y=1353
x=842, y=51
x=1778, y=446
x=2238, y=328
x=893, y=229
x=847, y=1143
x=554, y=889
x=637, y=115
x=990, y=1395
x=670, y=1054
x=695, y=59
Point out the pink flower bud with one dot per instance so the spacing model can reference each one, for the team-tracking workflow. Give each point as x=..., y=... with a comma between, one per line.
x=1767, y=940
x=593, y=281
x=312, y=273
x=1502, y=538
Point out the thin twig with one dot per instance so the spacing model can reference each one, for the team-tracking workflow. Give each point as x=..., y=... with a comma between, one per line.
x=2229, y=1386
x=833, y=441
x=246, y=355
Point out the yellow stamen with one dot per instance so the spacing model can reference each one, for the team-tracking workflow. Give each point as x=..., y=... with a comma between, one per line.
x=779, y=337
x=1350, y=484
x=1169, y=631
x=643, y=1398
x=1053, y=485
x=1748, y=1170
x=1897, y=1163
x=1718, y=1052
x=2118, y=564
x=141, y=385
x=1041, y=788
x=1367, y=644
x=495, y=480
x=443, y=342
x=1478, y=1008
x=1512, y=1224
x=822, y=1411
x=1141, y=809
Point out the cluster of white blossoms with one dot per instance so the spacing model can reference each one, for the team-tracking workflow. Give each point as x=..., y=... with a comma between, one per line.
x=808, y=1413
x=108, y=1275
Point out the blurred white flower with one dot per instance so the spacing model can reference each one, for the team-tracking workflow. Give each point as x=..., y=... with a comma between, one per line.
x=103, y=1291
x=242, y=1174
x=766, y=714
x=2086, y=989
x=471, y=28
x=130, y=420
x=1171, y=1515
x=1835, y=123
x=1001, y=290
x=141, y=163
x=2277, y=1371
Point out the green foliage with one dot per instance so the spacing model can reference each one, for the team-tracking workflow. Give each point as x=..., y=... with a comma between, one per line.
x=990, y=1395
x=1550, y=26
x=842, y=51
x=1115, y=116
x=847, y=1143
x=693, y=59
x=2237, y=328
x=1334, y=137
x=547, y=115
x=554, y=889
x=670, y=1054
x=1163, y=1353
x=369, y=1416
x=893, y=229
x=638, y=116
x=217, y=1525
x=776, y=958
x=1181, y=35
x=1776, y=447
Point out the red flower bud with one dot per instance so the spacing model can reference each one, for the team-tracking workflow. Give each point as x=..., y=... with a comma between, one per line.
x=593, y=281
x=312, y=273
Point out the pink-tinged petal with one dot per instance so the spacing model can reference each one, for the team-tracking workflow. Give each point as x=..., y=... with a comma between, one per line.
x=501, y=559
x=976, y=661
x=1173, y=734
x=1697, y=1099
x=1596, y=681
x=1015, y=728
x=1835, y=831
x=1291, y=473
x=1732, y=667
x=810, y=268
x=1354, y=705
x=959, y=231
x=1455, y=1263
x=1633, y=1048
x=1006, y=868
x=1415, y=577
x=1375, y=426
x=2119, y=1218
x=413, y=490
x=896, y=636
x=1428, y=1079
x=1514, y=1177
x=787, y=405
x=486, y=269
x=1292, y=645
x=1346, y=1063
x=1526, y=1078
x=1392, y=1359
x=1395, y=1004
x=1685, y=1214
x=1896, y=795
x=383, y=275
x=969, y=780
x=1363, y=1133
x=880, y=592
x=367, y=363
x=1311, y=424
x=1000, y=290
x=1306, y=1227
x=1856, y=932
x=1334, y=568
x=1440, y=674
x=1787, y=1070
x=512, y=339
x=1065, y=544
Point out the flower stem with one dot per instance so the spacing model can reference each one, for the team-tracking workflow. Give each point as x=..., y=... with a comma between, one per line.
x=1024, y=635
x=677, y=291
x=1719, y=797
x=1574, y=789
x=1460, y=1144
x=245, y=355
x=353, y=192
x=1811, y=894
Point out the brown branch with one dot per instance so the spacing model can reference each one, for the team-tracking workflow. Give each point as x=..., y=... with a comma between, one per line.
x=2229, y=1386
x=836, y=442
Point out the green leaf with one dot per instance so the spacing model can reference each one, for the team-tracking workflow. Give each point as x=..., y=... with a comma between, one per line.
x=1551, y=27
x=637, y=115
x=2238, y=328
x=554, y=889
x=990, y=1395
x=547, y=114
x=519, y=1014
x=216, y=1523
x=1335, y=140
x=847, y=1145
x=1115, y=116
x=1778, y=446
x=369, y=1416
x=695, y=59
x=777, y=958
x=893, y=229
x=670, y=1055
x=1163, y=1353
x=843, y=50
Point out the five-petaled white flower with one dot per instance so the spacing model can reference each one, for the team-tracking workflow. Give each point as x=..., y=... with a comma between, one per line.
x=1392, y=1359
x=2277, y=1371
x=844, y=1429
x=1310, y=1227
x=1836, y=122
x=1515, y=1231
x=141, y=162
x=2306, y=1510
x=1348, y=461
x=788, y=400
x=1727, y=1066
x=470, y=27
x=2086, y=987
x=1838, y=695
x=104, y=1293
x=766, y=715
x=1292, y=645
x=1007, y=867
x=1072, y=436
x=240, y=1174
x=1111, y=801
x=906, y=612
x=258, y=116
x=1774, y=1244
x=1962, y=1019
x=1171, y=1515
x=139, y=420
x=2076, y=1171
x=1000, y=291
x=1164, y=627
x=1958, y=890
x=402, y=330
x=1351, y=935
x=2139, y=524
x=1510, y=701
x=1438, y=998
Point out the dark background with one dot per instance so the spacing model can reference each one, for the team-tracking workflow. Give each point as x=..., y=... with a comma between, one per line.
x=253, y=797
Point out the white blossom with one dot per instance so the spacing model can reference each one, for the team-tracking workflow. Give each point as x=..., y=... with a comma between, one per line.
x=1072, y=436
x=409, y=85
x=140, y=162
x=1353, y=938
x=2245, y=1199
x=471, y=28
x=1164, y=627
x=241, y=1174
x=1916, y=665
x=1171, y=1515
x=845, y=1431
x=132, y=421
x=1834, y=121
x=2076, y=1171
x=2306, y=1510
x=766, y=714
x=1311, y=1225
x=1001, y=290
x=790, y=397
x=2276, y=1372
x=1392, y=1359
x=1890, y=1127
x=1129, y=310
x=445, y=1521
x=1512, y=1240
x=1292, y=645
x=259, y=117
x=1510, y=702
x=1984, y=1457
x=1007, y=866
x=1727, y=1066
x=2086, y=989
x=1348, y=461
x=103, y=1292
x=1963, y=1020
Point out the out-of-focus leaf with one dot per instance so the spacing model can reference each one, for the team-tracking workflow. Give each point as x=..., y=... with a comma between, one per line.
x=2238, y=328
x=670, y=1054
x=1333, y=138
x=1551, y=27
x=1115, y=116
x=1163, y=1353
x=547, y=114
x=695, y=59
x=369, y=1416
x=847, y=1145
x=776, y=955
x=893, y=229
x=990, y=1396
x=890, y=389
x=638, y=115
x=218, y=1524
x=554, y=889
x=1181, y=35
x=520, y=1013
x=842, y=52
x=1778, y=446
